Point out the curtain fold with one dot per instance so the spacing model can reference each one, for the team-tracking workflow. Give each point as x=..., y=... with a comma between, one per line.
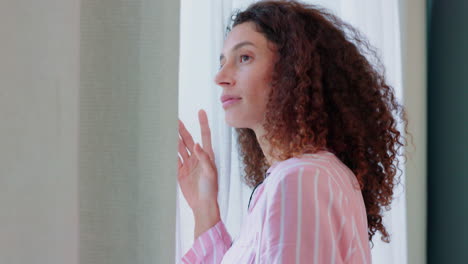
x=128, y=95
x=88, y=138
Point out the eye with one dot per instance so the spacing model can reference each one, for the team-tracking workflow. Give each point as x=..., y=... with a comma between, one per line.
x=242, y=57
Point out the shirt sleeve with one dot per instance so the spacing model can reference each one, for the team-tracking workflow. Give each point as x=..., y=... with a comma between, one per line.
x=299, y=222
x=210, y=246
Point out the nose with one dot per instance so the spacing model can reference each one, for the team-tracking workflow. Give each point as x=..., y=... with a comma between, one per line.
x=225, y=76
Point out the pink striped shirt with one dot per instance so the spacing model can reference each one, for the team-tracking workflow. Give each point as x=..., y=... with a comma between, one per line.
x=309, y=209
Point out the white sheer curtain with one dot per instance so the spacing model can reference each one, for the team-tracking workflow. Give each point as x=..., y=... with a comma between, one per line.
x=202, y=34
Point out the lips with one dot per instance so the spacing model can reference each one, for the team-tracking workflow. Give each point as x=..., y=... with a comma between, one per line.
x=228, y=100
x=225, y=98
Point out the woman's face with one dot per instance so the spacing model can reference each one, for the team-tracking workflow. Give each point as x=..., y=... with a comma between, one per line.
x=246, y=66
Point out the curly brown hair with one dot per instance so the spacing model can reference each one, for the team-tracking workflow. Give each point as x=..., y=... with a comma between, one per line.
x=326, y=95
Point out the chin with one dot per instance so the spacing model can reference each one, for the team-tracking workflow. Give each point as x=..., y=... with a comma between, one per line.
x=235, y=124
x=236, y=121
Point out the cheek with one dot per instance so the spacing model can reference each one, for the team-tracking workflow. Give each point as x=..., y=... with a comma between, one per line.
x=261, y=83
x=256, y=86
x=258, y=96
x=259, y=101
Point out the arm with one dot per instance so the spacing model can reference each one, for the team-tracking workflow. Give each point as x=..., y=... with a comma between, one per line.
x=210, y=246
x=198, y=179
x=300, y=222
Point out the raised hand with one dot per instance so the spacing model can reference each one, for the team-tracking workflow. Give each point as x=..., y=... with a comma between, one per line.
x=197, y=174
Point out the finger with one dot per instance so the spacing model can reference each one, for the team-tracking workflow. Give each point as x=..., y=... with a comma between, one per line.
x=201, y=154
x=205, y=133
x=205, y=160
x=179, y=162
x=186, y=137
x=183, y=150
x=179, y=167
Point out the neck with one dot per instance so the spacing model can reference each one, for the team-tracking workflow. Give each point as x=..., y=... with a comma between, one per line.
x=265, y=146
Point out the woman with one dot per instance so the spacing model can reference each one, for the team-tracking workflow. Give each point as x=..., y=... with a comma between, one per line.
x=317, y=136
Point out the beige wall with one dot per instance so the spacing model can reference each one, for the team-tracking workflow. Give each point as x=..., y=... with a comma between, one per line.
x=413, y=26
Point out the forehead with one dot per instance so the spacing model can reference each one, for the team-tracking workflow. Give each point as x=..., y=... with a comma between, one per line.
x=244, y=33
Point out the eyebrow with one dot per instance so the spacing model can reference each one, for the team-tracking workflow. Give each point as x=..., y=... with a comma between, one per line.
x=238, y=46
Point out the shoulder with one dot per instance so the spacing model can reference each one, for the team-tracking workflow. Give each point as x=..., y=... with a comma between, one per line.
x=305, y=164
x=321, y=169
